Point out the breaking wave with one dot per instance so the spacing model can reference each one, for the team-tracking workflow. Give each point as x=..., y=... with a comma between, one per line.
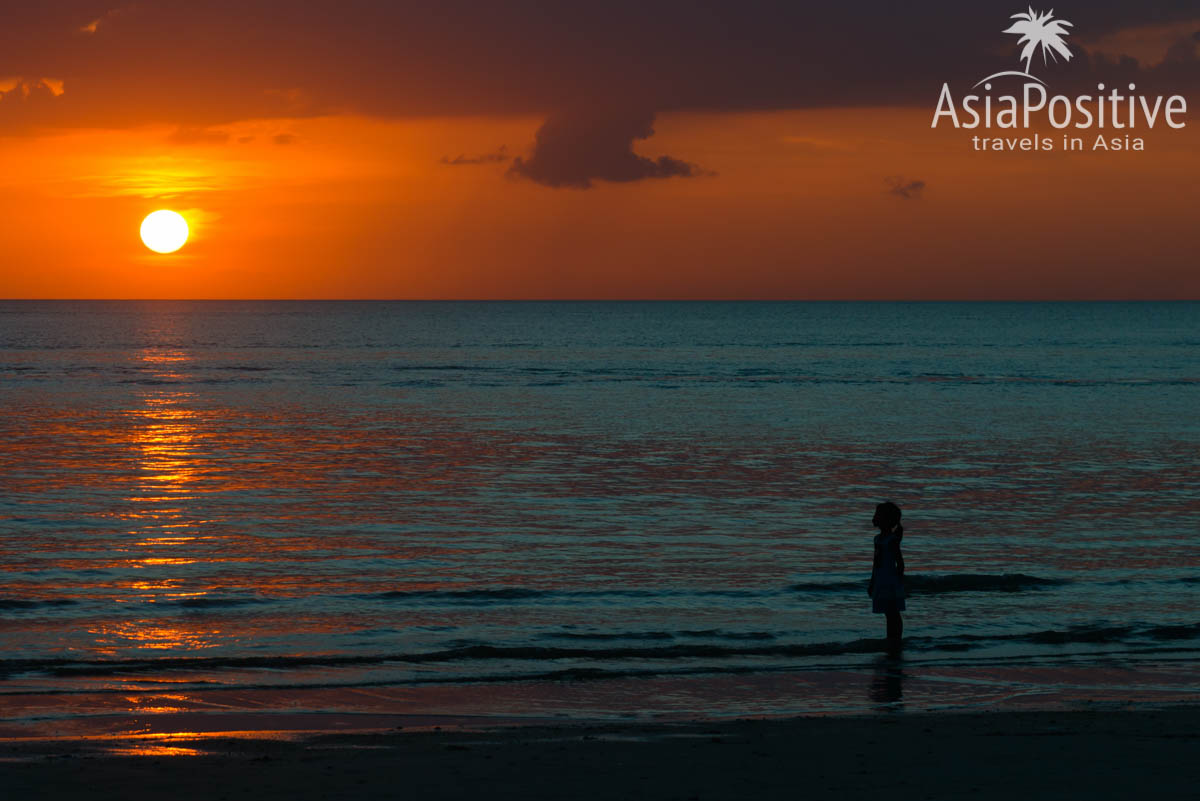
x=669, y=649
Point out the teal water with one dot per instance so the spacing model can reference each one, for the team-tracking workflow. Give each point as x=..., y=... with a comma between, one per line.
x=238, y=494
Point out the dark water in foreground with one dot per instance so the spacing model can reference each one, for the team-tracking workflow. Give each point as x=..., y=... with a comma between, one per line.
x=240, y=495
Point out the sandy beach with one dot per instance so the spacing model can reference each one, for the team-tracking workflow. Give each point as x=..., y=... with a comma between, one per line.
x=1003, y=755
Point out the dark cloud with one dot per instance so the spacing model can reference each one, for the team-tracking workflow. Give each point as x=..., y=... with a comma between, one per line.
x=909, y=189
x=283, y=138
x=1184, y=50
x=185, y=63
x=575, y=148
x=500, y=155
x=245, y=140
x=198, y=136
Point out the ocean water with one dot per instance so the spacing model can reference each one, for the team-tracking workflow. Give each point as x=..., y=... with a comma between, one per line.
x=220, y=496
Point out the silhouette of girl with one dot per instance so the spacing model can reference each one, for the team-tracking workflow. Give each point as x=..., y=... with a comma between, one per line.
x=886, y=587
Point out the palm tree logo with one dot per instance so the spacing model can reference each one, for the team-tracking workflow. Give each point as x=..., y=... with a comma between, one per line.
x=1042, y=30
x=1038, y=30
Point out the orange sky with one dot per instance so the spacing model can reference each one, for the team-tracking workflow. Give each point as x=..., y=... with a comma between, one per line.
x=791, y=204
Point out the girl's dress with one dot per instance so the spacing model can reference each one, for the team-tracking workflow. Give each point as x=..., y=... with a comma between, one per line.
x=888, y=595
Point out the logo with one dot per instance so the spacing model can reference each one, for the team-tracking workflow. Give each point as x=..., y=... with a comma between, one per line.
x=1037, y=30
x=1032, y=109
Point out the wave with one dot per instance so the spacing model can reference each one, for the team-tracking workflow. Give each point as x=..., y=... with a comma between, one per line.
x=972, y=582
x=1182, y=632
x=484, y=595
x=213, y=603
x=15, y=604
x=829, y=586
x=709, y=634
x=496, y=594
x=601, y=637
x=935, y=585
x=167, y=382
x=20, y=603
x=466, y=653
x=917, y=584
x=689, y=654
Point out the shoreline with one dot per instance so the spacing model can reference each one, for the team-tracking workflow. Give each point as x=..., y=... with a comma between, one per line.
x=1102, y=753
x=163, y=707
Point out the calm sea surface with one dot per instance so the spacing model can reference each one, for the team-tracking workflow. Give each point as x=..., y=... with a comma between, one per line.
x=234, y=495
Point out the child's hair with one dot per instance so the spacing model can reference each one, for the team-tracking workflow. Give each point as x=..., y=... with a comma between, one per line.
x=887, y=514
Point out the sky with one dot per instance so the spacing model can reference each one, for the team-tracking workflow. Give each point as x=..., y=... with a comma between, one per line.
x=752, y=149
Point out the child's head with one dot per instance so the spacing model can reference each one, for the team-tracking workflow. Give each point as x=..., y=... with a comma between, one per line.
x=887, y=516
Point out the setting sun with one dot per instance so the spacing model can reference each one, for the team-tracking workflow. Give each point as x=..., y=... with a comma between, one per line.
x=164, y=231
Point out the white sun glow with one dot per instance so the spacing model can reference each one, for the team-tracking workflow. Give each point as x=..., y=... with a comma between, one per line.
x=164, y=231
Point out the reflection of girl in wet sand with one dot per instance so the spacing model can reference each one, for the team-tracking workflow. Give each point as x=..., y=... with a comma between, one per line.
x=887, y=573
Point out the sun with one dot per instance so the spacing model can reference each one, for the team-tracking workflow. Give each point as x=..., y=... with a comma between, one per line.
x=164, y=231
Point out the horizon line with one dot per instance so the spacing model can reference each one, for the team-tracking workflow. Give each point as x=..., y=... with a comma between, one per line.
x=602, y=300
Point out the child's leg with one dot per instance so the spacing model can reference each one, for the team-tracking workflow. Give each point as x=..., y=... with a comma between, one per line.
x=895, y=627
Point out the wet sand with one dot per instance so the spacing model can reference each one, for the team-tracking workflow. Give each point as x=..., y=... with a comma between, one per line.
x=1002, y=755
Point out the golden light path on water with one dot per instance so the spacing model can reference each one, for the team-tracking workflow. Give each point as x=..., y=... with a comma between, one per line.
x=164, y=434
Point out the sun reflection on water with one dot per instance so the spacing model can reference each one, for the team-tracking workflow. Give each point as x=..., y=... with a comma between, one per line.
x=154, y=745
x=150, y=750
x=112, y=639
x=165, y=438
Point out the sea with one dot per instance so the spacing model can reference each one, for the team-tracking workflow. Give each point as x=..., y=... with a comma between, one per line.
x=539, y=510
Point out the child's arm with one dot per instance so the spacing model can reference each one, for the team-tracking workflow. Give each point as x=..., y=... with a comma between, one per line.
x=874, y=564
x=899, y=561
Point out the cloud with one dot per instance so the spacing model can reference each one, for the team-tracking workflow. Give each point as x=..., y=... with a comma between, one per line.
x=905, y=188
x=1183, y=49
x=93, y=26
x=25, y=103
x=188, y=135
x=179, y=62
x=1150, y=44
x=283, y=138
x=22, y=88
x=501, y=154
x=198, y=218
x=572, y=149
